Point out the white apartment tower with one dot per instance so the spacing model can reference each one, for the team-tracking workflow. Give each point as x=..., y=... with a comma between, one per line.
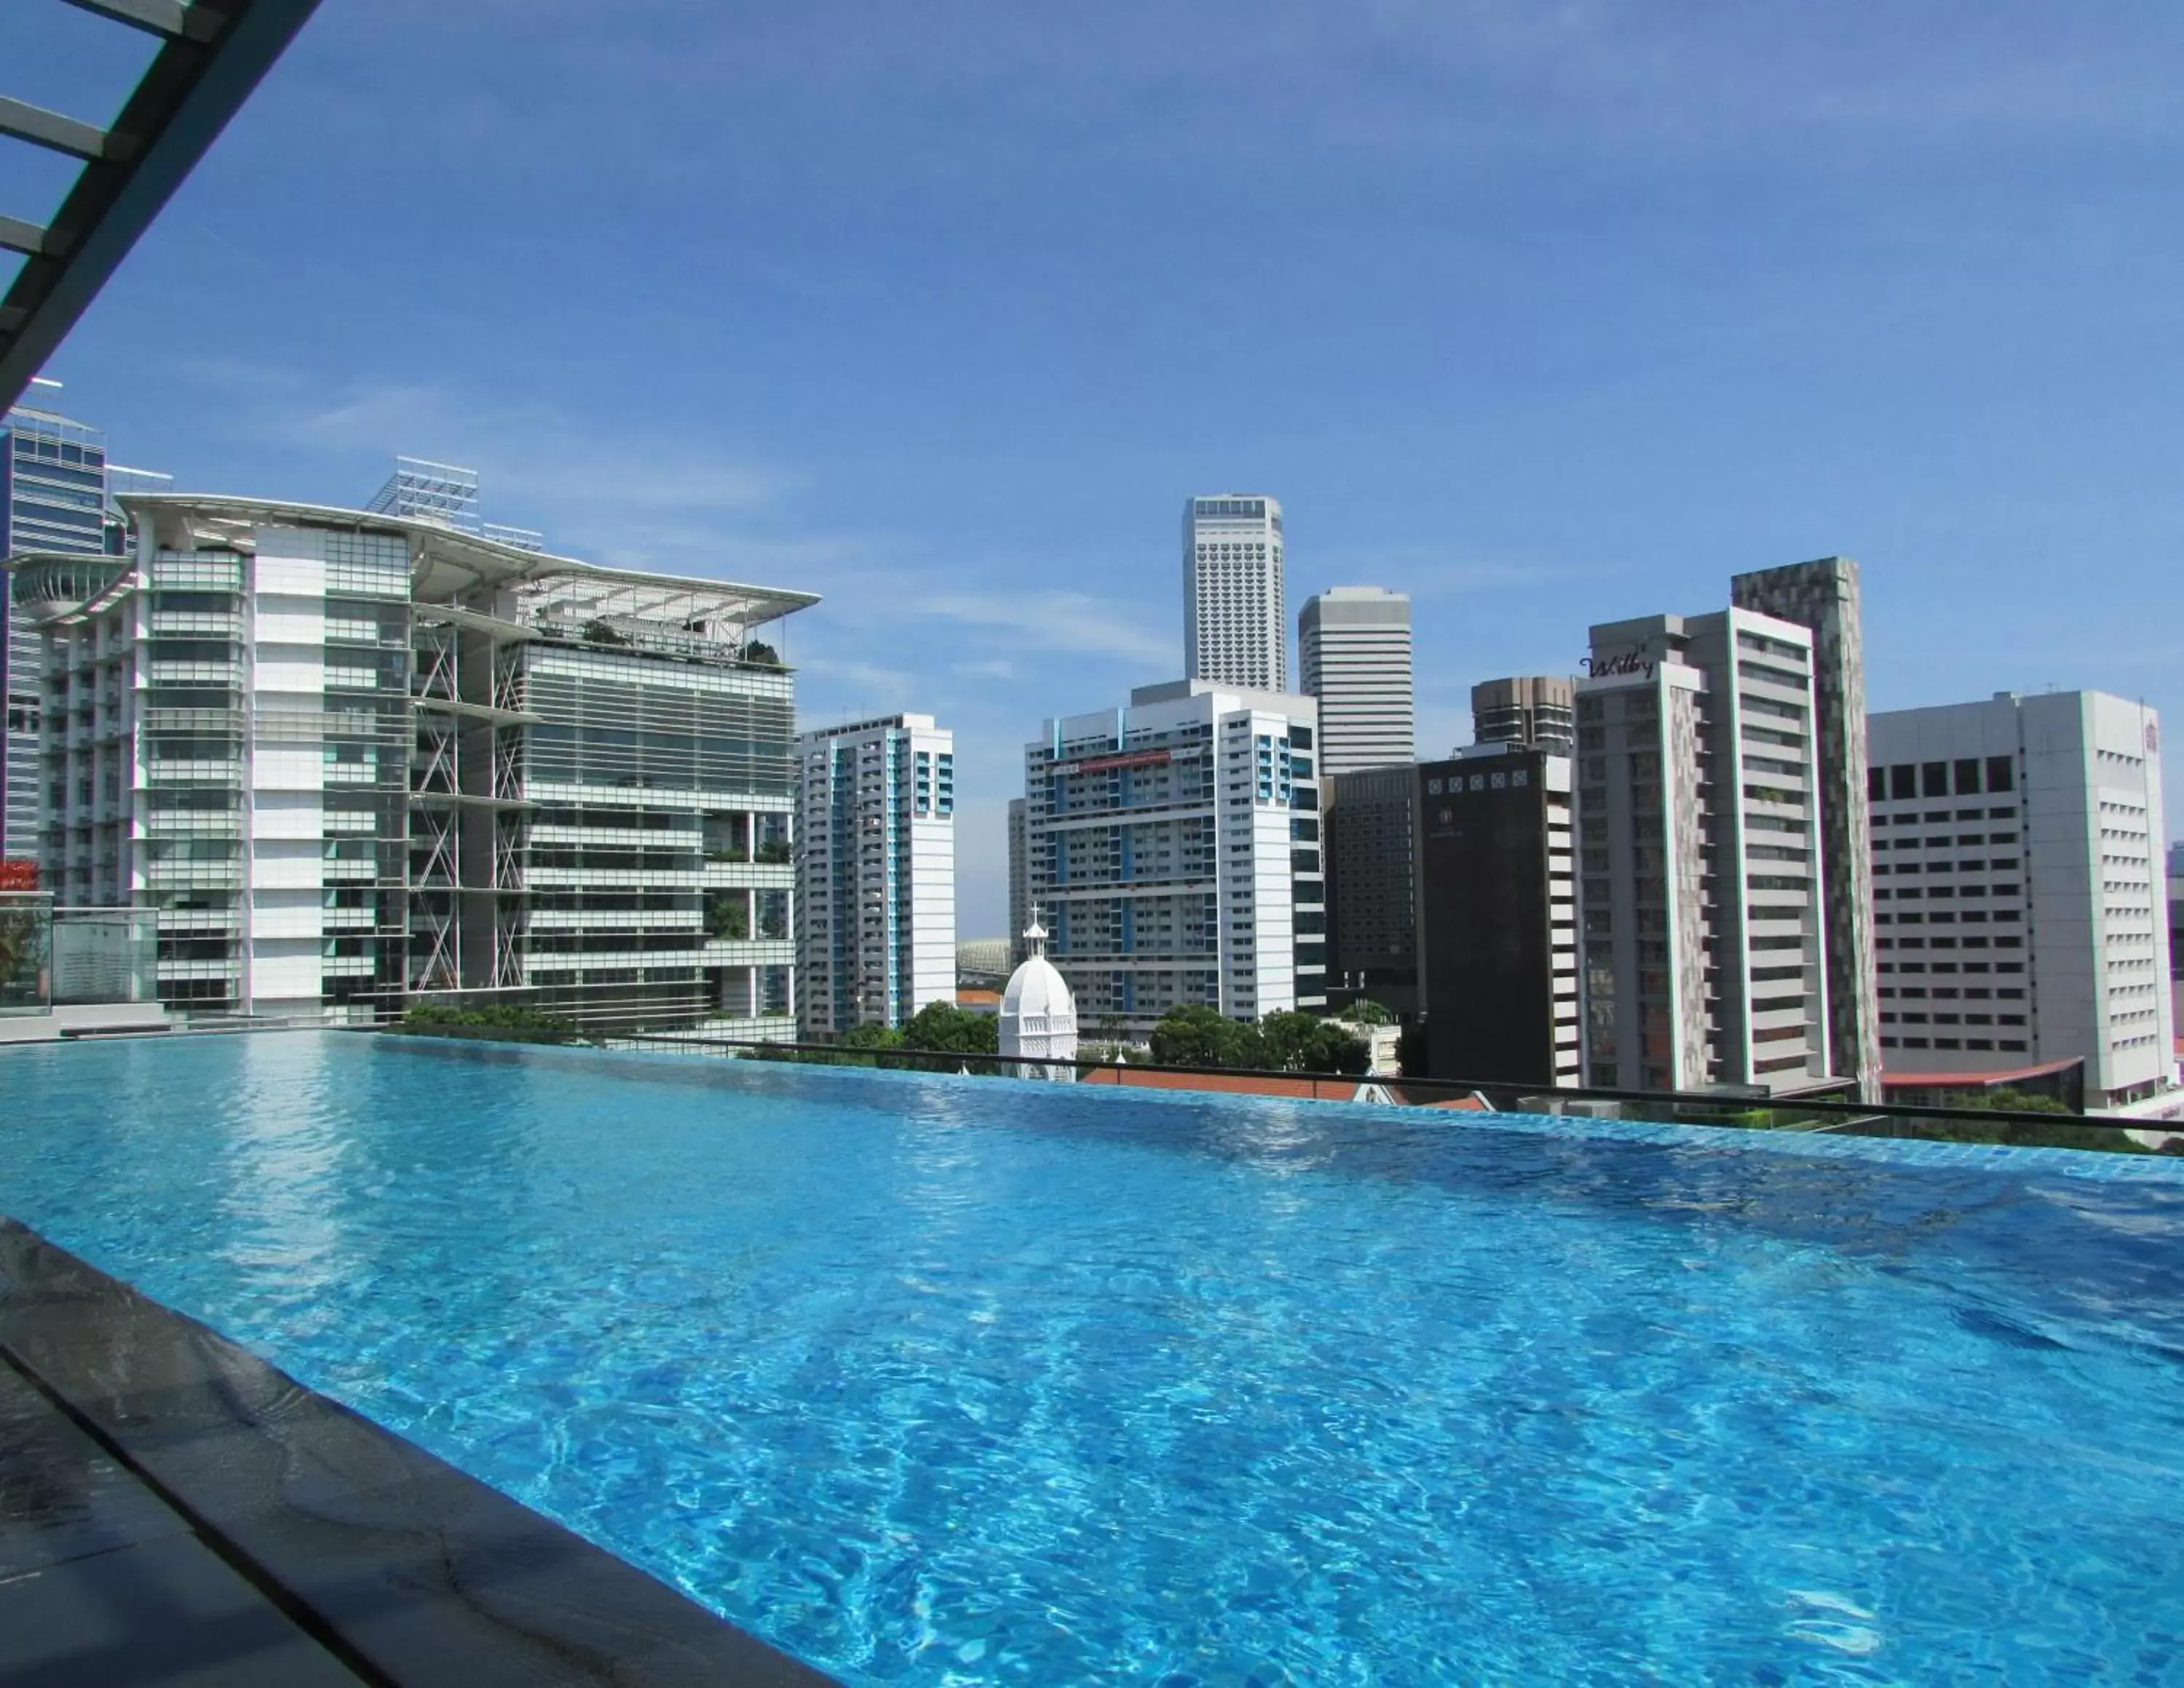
x=1354, y=653
x=1173, y=847
x=1701, y=877
x=2016, y=864
x=1235, y=626
x=876, y=876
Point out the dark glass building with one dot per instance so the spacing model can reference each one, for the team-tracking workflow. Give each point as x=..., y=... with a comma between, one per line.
x=1497, y=917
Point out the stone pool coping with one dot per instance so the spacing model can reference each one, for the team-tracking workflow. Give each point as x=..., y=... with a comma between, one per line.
x=400, y=1566
x=2099, y=1165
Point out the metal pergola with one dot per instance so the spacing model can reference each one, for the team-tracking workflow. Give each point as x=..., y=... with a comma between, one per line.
x=211, y=54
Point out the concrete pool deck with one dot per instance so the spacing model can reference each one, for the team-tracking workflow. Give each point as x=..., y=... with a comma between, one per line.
x=173, y=1510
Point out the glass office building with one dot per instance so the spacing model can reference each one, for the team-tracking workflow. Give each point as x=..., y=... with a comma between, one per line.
x=53, y=498
x=355, y=759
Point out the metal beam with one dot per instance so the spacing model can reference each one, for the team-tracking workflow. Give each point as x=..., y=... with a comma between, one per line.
x=43, y=128
x=18, y=236
x=210, y=60
x=156, y=17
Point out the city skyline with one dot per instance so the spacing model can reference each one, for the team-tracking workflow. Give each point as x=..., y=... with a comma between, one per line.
x=1823, y=335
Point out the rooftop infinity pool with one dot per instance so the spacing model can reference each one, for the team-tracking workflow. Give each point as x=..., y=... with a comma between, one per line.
x=950, y=1380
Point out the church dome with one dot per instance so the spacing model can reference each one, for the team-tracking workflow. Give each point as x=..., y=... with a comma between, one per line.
x=1037, y=990
x=1039, y=1015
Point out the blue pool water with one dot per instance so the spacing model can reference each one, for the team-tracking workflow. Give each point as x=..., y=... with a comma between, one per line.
x=938, y=1380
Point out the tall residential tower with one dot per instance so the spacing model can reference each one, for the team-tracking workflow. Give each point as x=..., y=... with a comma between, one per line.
x=876, y=875
x=1822, y=596
x=1173, y=847
x=1235, y=625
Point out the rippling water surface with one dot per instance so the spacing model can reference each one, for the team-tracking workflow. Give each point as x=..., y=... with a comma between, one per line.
x=936, y=1380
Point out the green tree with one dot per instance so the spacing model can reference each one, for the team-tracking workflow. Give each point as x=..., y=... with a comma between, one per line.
x=1366, y=1012
x=1200, y=1036
x=868, y=1045
x=1304, y=1042
x=2011, y=1100
x=947, y=1030
x=728, y=917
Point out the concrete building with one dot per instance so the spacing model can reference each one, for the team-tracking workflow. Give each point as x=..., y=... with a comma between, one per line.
x=1703, y=868
x=1534, y=711
x=1235, y=620
x=1019, y=881
x=354, y=759
x=1370, y=827
x=1497, y=917
x=876, y=872
x=1822, y=596
x=1354, y=653
x=2016, y=860
x=1174, y=846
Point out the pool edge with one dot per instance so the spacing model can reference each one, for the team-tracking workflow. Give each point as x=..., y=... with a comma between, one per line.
x=424, y=1575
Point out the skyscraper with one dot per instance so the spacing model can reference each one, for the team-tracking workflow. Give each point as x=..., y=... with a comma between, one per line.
x=1498, y=916
x=53, y=498
x=1538, y=712
x=2017, y=862
x=1823, y=595
x=1703, y=868
x=876, y=881
x=1354, y=653
x=1235, y=628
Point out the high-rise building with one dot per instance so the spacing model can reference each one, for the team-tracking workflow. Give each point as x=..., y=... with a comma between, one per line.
x=353, y=759
x=876, y=872
x=1235, y=626
x=2017, y=867
x=1497, y=917
x=1174, y=849
x=53, y=498
x=1822, y=596
x=1535, y=712
x=1019, y=883
x=1702, y=863
x=1369, y=835
x=1354, y=653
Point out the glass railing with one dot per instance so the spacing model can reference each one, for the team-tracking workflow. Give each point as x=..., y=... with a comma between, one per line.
x=1836, y=1114
x=59, y=957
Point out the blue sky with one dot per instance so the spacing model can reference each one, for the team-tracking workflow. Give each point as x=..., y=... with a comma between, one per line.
x=1546, y=313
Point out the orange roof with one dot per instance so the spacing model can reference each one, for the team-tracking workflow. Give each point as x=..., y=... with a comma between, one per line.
x=967, y=996
x=1929, y=1080
x=1302, y=1086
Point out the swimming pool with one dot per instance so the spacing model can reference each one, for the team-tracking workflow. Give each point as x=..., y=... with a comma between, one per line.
x=941, y=1380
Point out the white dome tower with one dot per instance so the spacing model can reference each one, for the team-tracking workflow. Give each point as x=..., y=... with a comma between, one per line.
x=1038, y=1015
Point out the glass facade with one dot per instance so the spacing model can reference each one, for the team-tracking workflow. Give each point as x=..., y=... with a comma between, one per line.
x=53, y=498
x=345, y=768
